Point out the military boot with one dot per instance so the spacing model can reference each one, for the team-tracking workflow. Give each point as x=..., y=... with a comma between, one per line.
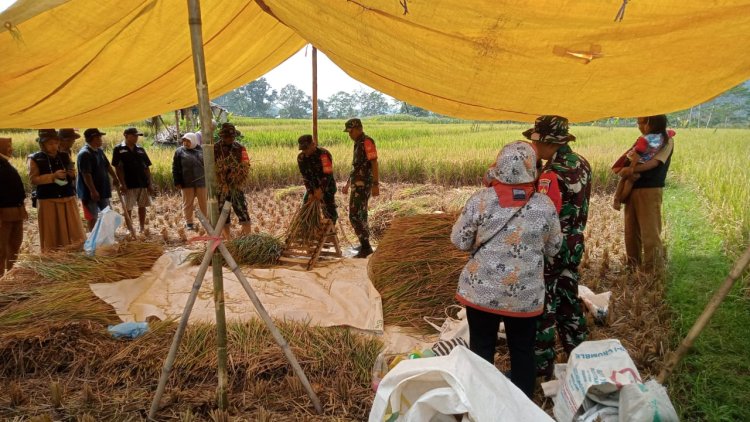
x=365, y=250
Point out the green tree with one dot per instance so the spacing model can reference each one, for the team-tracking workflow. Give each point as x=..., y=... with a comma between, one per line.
x=341, y=105
x=294, y=103
x=372, y=103
x=412, y=110
x=323, y=110
x=254, y=99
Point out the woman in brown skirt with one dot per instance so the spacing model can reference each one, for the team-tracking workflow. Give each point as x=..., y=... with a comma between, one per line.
x=53, y=175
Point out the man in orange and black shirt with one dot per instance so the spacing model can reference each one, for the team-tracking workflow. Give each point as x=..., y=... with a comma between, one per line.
x=363, y=181
x=316, y=166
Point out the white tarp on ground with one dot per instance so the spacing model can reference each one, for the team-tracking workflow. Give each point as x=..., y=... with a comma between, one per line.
x=336, y=294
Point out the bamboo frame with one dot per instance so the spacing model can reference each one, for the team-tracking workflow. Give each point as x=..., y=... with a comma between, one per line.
x=675, y=358
x=315, y=94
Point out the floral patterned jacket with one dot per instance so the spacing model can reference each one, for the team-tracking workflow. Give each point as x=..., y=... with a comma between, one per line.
x=508, y=238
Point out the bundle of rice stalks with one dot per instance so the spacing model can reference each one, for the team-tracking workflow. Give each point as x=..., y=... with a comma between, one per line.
x=416, y=269
x=115, y=263
x=231, y=175
x=307, y=223
x=259, y=249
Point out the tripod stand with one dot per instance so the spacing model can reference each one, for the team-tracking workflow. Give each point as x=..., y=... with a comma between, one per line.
x=215, y=242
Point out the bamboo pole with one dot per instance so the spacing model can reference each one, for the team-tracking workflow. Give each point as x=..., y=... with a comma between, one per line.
x=204, y=105
x=167, y=368
x=266, y=318
x=177, y=124
x=708, y=312
x=315, y=93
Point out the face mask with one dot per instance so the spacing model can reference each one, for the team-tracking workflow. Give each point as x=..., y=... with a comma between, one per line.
x=61, y=182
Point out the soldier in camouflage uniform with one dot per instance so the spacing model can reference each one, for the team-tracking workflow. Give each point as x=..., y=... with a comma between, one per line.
x=566, y=179
x=316, y=166
x=232, y=170
x=363, y=181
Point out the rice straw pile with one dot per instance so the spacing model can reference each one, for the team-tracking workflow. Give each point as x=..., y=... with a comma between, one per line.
x=115, y=380
x=260, y=249
x=416, y=269
x=45, y=292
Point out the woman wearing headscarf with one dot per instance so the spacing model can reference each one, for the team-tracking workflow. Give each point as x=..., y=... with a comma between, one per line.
x=189, y=176
x=53, y=175
x=508, y=228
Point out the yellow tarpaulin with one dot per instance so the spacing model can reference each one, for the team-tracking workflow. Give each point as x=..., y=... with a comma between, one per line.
x=86, y=63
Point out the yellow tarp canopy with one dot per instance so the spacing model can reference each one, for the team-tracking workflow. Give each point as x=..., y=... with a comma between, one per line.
x=86, y=63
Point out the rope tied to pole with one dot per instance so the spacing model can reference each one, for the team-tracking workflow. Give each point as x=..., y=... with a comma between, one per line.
x=215, y=241
x=621, y=12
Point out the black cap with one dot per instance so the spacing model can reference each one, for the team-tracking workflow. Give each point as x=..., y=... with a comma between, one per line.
x=69, y=134
x=132, y=131
x=304, y=141
x=46, y=135
x=89, y=134
x=352, y=124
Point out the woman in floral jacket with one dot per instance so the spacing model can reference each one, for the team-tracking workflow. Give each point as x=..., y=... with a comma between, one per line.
x=509, y=229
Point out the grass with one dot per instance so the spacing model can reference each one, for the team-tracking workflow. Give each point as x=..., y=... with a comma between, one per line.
x=713, y=381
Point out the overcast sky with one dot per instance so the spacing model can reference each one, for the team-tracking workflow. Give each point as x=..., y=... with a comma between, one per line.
x=297, y=70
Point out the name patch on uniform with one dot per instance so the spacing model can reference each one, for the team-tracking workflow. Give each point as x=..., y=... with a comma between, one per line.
x=519, y=194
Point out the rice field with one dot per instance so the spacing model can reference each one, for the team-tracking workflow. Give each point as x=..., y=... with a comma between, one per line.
x=455, y=154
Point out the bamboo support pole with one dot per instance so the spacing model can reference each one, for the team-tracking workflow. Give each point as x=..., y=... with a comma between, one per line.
x=266, y=318
x=315, y=93
x=705, y=317
x=177, y=124
x=204, y=105
x=167, y=368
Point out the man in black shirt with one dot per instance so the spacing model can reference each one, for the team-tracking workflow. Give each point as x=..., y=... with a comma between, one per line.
x=132, y=164
x=93, y=184
x=12, y=209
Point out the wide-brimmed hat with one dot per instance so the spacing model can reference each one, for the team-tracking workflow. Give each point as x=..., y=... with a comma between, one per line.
x=352, y=124
x=47, y=134
x=132, y=131
x=69, y=134
x=91, y=133
x=550, y=129
x=228, y=129
x=305, y=141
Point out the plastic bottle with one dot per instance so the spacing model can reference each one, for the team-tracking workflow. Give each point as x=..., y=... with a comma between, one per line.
x=379, y=369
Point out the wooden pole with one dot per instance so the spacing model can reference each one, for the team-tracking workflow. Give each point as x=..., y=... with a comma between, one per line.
x=177, y=124
x=708, y=312
x=167, y=368
x=266, y=318
x=315, y=93
x=204, y=105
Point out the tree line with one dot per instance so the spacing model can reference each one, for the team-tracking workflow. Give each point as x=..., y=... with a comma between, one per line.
x=260, y=99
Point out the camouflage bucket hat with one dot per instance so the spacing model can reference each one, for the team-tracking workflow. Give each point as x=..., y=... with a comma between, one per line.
x=550, y=129
x=305, y=141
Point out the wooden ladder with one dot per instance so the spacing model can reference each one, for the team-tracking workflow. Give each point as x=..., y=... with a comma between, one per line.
x=307, y=252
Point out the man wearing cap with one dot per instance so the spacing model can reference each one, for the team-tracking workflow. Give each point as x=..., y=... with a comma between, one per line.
x=12, y=209
x=316, y=166
x=53, y=175
x=94, y=171
x=364, y=182
x=566, y=179
x=132, y=164
x=232, y=171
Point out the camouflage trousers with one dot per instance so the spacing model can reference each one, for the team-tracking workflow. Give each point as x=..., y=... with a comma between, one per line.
x=239, y=205
x=563, y=317
x=358, y=199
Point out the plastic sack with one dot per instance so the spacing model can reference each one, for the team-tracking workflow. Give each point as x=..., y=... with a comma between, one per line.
x=451, y=327
x=460, y=384
x=597, y=304
x=645, y=403
x=128, y=329
x=595, y=373
x=104, y=230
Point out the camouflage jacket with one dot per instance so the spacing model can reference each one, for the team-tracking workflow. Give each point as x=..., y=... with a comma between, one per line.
x=364, y=153
x=317, y=170
x=569, y=174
